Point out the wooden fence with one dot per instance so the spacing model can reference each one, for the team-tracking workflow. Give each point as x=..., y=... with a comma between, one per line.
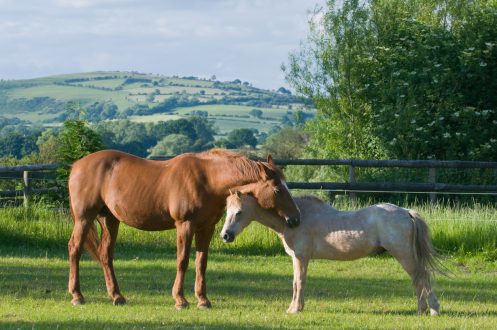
x=432, y=187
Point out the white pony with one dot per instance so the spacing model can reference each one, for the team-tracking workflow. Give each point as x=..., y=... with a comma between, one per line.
x=326, y=233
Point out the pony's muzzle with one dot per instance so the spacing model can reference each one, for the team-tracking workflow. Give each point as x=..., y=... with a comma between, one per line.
x=228, y=237
x=292, y=222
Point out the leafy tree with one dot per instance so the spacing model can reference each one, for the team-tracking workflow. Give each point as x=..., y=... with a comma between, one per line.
x=242, y=137
x=401, y=79
x=256, y=113
x=76, y=140
x=171, y=145
x=288, y=143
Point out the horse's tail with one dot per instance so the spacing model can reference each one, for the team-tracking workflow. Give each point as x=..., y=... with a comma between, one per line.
x=426, y=257
x=92, y=242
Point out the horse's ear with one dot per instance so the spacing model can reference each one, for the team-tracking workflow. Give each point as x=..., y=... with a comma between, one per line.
x=270, y=160
x=264, y=171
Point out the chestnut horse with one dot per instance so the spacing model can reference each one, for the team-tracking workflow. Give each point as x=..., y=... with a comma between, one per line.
x=326, y=233
x=187, y=192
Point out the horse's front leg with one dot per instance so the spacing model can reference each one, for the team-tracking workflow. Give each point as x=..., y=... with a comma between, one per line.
x=299, y=277
x=202, y=241
x=184, y=236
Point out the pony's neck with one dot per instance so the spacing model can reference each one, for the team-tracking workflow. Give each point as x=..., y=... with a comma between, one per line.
x=270, y=220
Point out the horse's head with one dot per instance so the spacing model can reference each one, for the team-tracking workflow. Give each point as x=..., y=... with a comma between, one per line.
x=239, y=213
x=271, y=193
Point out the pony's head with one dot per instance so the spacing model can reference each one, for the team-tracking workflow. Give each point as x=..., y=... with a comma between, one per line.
x=271, y=193
x=240, y=211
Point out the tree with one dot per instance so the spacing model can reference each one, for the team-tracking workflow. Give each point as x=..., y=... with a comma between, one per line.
x=242, y=137
x=171, y=145
x=256, y=113
x=401, y=79
x=288, y=143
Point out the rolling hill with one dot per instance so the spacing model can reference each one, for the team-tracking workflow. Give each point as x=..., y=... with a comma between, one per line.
x=149, y=98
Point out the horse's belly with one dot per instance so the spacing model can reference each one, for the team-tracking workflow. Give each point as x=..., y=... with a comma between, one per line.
x=348, y=245
x=151, y=221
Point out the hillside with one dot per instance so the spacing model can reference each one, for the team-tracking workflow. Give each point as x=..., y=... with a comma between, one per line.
x=148, y=98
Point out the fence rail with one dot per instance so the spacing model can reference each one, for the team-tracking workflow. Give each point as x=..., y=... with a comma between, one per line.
x=47, y=171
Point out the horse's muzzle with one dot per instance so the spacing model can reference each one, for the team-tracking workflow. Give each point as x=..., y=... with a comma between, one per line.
x=292, y=222
x=228, y=237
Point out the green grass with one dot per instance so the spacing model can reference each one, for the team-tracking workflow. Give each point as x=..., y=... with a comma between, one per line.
x=249, y=281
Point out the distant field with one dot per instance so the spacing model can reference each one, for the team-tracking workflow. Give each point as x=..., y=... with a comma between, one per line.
x=43, y=99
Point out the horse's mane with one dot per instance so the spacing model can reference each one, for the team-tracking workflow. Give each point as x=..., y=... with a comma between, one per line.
x=244, y=165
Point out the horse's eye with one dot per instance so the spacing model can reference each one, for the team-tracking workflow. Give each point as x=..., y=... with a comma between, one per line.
x=238, y=212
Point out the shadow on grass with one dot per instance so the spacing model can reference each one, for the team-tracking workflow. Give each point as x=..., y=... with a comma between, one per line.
x=120, y=325
x=140, y=277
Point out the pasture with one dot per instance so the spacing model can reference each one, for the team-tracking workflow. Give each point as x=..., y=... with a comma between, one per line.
x=249, y=281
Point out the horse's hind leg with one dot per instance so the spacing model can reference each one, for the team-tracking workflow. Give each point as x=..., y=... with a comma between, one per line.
x=110, y=228
x=407, y=261
x=81, y=227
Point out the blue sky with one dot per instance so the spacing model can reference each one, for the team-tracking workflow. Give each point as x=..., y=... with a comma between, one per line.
x=244, y=39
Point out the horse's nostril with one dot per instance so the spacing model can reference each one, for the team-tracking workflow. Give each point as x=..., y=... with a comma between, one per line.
x=228, y=237
x=293, y=222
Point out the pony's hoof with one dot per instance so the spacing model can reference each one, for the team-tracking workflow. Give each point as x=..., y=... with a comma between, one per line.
x=204, y=305
x=183, y=305
x=78, y=301
x=119, y=301
x=434, y=312
x=293, y=310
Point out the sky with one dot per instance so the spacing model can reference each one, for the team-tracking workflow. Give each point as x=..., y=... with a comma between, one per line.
x=231, y=39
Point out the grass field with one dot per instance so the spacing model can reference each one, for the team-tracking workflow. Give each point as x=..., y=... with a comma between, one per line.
x=249, y=281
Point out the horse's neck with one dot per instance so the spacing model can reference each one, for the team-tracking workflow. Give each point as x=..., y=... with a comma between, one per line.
x=226, y=176
x=270, y=220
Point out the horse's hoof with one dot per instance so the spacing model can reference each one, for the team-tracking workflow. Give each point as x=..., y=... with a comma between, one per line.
x=78, y=301
x=183, y=305
x=204, y=305
x=292, y=310
x=434, y=312
x=119, y=301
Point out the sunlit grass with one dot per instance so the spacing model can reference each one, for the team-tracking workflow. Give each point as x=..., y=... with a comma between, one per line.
x=249, y=281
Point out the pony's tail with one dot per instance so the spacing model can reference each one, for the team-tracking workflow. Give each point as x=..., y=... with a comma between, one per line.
x=426, y=257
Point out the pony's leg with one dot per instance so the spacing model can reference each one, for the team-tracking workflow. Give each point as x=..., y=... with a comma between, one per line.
x=75, y=247
x=184, y=236
x=202, y=242
x=407, y=261
x=110, y=228
x=299, y=277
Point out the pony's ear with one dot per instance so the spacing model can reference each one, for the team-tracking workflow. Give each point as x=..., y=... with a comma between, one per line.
x=270, y=160
x=266, y=173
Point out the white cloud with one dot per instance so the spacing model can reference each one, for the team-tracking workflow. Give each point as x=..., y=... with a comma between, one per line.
x=245, y=39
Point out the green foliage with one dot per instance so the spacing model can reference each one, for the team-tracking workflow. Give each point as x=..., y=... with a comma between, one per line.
x=242, y=137
x=171, y=145
x=401, y=79
x=288, y=143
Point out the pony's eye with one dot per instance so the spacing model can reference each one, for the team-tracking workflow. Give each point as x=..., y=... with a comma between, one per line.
x=238, y=212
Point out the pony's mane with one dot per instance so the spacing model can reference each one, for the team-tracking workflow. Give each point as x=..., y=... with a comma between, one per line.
x=310, y=199
x=243, y=164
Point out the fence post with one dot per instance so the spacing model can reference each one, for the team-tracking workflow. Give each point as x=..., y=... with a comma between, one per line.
x=432, y=178
x=353, y=196
x=26, y=189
